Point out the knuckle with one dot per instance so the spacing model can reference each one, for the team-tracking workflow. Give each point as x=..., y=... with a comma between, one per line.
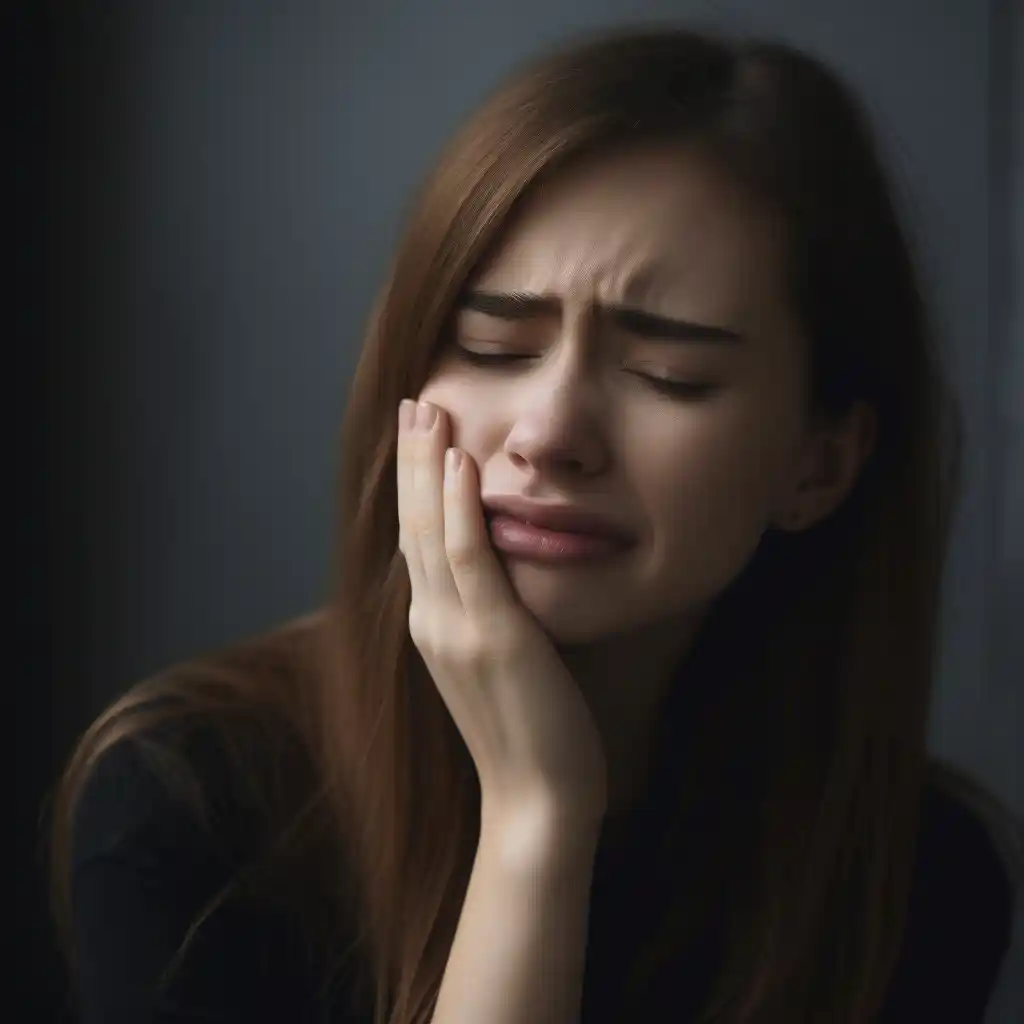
x=430, y=534
x=448, y=644
x=417, y=523
x=461, y=555
x=422, y=526
x=418, y=626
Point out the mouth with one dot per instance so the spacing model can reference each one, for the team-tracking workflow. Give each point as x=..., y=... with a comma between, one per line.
x=556, y=535
x=563, y=520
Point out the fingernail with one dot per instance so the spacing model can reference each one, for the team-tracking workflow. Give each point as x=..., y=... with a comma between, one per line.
x=427, y=415
x=407, y=414
x=453, y=460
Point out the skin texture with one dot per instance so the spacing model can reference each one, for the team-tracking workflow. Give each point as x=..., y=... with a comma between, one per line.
x=697, y=479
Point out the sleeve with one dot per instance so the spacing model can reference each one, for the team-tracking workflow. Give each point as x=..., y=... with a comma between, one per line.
x=959, y=927
x=143, y=869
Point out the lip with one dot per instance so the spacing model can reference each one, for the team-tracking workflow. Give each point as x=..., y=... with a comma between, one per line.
x=558, y=518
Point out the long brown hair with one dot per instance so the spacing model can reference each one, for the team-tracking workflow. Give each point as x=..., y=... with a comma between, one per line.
x=847, y=652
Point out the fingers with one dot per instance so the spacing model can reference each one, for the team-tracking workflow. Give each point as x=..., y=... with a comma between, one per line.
x=422, y=443
x=442, y=532
x=478, y=576
x=406, y=497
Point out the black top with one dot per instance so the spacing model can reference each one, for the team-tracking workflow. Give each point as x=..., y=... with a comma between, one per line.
x=143, y=869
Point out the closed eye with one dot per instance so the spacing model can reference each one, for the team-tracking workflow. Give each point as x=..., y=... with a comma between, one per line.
x=664, y=385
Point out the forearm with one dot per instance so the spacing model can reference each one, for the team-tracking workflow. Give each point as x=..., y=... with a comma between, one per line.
x=520, y=946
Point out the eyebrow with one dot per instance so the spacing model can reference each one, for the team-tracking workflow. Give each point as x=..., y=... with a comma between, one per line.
x=526, y=306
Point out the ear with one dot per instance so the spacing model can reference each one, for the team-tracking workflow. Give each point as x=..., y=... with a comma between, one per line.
x=835, y=455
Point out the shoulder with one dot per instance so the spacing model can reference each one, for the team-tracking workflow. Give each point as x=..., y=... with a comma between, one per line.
x=198, y=757
x=168, y=787
x=969, y=846
x=180, y=805
x=961, y=906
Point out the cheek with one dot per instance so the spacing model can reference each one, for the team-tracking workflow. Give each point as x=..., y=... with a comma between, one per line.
x=711, y=494
x=735, y=453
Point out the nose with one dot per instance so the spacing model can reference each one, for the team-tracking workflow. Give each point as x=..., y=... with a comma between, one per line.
x=561, y=418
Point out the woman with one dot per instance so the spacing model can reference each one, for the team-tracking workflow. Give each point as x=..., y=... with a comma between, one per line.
x=657, y=752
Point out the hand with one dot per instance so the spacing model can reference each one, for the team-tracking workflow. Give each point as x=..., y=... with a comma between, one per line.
x=520, y=712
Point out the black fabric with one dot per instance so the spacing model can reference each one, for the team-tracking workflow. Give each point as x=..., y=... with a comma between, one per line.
x=144, y=868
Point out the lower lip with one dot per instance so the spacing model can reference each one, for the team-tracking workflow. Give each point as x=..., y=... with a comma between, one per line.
x=515, y=537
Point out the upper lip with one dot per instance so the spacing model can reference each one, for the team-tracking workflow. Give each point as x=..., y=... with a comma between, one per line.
x=563, y=518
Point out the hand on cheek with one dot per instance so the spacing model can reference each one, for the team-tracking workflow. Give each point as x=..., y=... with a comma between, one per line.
x=520, y=712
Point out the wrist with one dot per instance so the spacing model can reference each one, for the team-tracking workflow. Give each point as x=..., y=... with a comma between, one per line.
x=539, y=831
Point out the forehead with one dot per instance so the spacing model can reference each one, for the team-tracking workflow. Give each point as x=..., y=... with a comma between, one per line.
x=651, y=226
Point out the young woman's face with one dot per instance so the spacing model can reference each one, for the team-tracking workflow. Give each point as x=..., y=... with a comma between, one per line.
x=695, y=475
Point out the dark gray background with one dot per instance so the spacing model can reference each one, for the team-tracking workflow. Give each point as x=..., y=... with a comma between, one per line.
x=229, y=181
